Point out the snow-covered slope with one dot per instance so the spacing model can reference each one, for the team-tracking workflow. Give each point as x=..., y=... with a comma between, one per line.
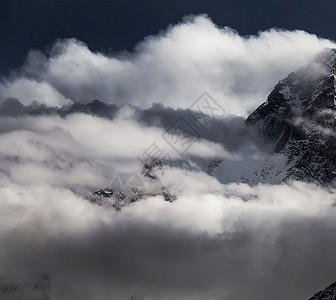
x=298, y=121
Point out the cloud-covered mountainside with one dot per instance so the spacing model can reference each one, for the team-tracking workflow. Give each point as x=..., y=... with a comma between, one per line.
x=169, y=186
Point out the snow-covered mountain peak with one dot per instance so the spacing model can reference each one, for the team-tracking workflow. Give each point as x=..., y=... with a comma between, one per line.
x=298, y=120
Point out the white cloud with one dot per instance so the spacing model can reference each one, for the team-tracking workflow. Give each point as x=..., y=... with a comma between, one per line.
x=173, y=68
x=31, y=90
x=206, y=244
x=82, y=149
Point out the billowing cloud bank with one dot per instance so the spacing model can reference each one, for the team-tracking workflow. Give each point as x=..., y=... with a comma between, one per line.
x=209, y=244
x=221, y=239
x=173, y=68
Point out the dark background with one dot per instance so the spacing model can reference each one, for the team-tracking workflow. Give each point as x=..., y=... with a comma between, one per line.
x=120, y=24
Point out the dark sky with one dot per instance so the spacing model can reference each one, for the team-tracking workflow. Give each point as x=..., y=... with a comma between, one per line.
x=119, y=24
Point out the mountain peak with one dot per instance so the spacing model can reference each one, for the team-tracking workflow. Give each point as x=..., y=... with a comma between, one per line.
x=298, y=121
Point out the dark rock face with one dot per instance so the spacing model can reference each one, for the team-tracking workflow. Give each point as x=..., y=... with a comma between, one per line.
x=298, y=121
x=328, y=294
x=213, y=166
x=108, y=198
x=123, y=195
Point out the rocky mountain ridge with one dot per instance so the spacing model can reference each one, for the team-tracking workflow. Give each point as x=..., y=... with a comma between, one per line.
x=130, y=188
x=298, y=121
x=328, y=294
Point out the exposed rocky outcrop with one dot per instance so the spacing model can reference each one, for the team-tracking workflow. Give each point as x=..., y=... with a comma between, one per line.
x=298, y=121
x=328, y=294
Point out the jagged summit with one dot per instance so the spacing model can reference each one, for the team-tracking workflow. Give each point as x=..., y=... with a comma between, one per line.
x=302, y=93
x=298, y=121
x=131, y=188
x=109, y=198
